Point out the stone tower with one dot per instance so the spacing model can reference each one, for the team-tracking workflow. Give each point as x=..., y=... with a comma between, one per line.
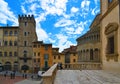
x=27, y=34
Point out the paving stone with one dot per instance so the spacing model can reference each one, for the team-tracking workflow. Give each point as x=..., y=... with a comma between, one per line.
x=86, y=77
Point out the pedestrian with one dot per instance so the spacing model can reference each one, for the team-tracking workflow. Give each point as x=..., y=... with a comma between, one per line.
x=32, y=77
x=5, y=75
x=23, y=75
x=11, y=76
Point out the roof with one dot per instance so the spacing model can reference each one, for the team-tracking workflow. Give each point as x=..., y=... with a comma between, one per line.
x=9, y=27
x=72, y=49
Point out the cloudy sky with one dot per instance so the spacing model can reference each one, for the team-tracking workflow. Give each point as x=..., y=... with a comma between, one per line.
x=59, y=22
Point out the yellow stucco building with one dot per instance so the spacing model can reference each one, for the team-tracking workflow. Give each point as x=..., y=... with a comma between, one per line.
x=71, y=56
x=57, y=56
x=42, y=56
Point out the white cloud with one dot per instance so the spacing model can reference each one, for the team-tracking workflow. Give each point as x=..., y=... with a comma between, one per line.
x=96, y=1
x=79, y=30
x=95, y=11
x=63, y=41
x=42, y=35
x=54, y=7
x=23, y=9
x=6, y=14
x=68, y=26
x=85, y=7
x=41, y=17
x=85, y=4
x=64, y=22
x=74, y=9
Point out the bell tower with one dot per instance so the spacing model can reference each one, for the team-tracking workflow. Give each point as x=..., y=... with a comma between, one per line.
x=27, y=34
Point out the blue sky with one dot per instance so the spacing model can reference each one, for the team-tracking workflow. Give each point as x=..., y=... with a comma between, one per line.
x=59, y=22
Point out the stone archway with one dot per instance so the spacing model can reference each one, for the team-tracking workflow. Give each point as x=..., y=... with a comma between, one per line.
x=24, y=68
x=8, y=66
x=1, y=67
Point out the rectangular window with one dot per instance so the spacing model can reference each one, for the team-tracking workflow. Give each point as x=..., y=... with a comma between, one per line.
x=10, y=33
x=39, y=54
x=46, y=56
x=10, y=43
x=34, y=54
x=38, y=60
x=5, y=54
x=15, y=43
x=34, y=46
x=25, y=23
x=10, y=54
x=0, y=53
x=15, y=54
x=54, y=57
x=15, y=33
x=25, y=34
x=110, y=45
x=6, y=33
x=5, y=43
x=25, y=43
x=74, y=60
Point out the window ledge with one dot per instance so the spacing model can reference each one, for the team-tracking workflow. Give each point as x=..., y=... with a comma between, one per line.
x=111, y=55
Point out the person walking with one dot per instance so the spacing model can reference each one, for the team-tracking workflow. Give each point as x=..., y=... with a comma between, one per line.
x=11, y=76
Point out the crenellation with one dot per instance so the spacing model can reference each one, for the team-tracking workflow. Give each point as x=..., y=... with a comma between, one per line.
x=26, y=17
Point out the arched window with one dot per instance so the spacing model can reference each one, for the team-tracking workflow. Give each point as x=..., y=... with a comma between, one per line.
x=91, y=54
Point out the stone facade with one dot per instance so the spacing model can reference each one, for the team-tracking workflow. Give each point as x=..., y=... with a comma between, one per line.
x=103, y=37
x=88, y=45
x=27, y=34
x=16, y=44
x=110, y=34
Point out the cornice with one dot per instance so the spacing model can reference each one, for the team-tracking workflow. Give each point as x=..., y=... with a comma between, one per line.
x=110, y=8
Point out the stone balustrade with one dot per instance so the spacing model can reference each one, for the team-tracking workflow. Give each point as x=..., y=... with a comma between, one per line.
x=49, y=76
x=82, y=66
